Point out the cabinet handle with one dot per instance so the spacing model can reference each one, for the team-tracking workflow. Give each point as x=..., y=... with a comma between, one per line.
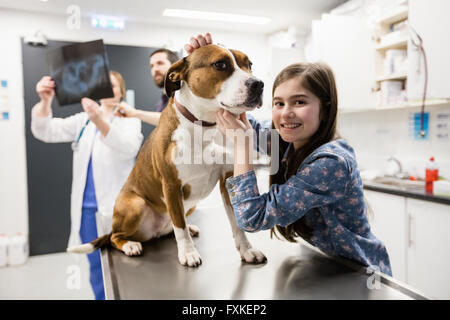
x=410, y=223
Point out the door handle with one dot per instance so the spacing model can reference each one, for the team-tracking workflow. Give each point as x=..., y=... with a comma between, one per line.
x=410, y=226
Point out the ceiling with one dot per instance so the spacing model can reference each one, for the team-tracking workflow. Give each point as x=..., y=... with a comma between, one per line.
x=284, y=13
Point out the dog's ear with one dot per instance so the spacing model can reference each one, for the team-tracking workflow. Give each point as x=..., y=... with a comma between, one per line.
x=174, y=75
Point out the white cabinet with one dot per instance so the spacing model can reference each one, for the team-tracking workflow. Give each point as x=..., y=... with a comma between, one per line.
x=428, y=254
x=388, y=223
x=344, y=43
x=430, y=20
x=416, y=234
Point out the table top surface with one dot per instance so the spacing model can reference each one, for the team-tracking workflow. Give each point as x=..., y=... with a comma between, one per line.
x=293, y=270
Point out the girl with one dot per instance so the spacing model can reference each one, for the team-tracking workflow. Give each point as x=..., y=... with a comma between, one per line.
x=317, y=193
x=104, y=150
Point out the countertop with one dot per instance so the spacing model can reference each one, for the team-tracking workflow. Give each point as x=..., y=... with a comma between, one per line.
x=293, y=270
x=416, y=193
x=411, y=192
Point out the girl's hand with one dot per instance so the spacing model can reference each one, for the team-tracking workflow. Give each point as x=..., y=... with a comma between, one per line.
x=124, y=110
x=93, y=110
x=236, y=124
x=200, y=41
x=45, y=88
x=242, y=136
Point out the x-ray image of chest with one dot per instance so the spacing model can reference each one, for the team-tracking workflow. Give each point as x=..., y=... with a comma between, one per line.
x=79, y=71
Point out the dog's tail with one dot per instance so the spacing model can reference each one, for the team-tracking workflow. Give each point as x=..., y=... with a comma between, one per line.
x=92, y=246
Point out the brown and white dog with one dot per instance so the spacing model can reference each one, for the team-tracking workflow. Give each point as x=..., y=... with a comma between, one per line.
x=161, y=190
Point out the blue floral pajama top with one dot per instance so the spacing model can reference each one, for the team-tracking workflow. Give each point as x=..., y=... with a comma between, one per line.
x=328, y=180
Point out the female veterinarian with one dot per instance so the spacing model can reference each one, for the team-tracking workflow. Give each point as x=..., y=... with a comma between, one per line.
x=317, y=193
x=104, y=150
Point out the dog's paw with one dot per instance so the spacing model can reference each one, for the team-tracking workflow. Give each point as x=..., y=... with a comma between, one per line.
x=253, y=256
x=193, y=230
x=132, y=248
x=190, y=259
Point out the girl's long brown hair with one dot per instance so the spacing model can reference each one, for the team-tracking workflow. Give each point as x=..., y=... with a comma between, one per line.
x=317, y=78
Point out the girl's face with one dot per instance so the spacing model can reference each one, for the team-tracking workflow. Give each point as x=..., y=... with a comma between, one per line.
x=116, y=90
x=295, y=112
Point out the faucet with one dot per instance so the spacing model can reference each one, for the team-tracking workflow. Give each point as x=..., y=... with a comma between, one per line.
x=399, y=174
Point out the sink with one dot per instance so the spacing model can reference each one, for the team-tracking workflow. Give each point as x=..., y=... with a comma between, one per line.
x=403, y=184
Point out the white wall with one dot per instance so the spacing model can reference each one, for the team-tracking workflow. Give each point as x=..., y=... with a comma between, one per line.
x=14, y=24
x=376, y=135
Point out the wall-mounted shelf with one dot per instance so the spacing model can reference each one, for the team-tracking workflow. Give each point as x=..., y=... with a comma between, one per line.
x=391, y=49
x=393, y=77
x=398, y=14
x=401, y=43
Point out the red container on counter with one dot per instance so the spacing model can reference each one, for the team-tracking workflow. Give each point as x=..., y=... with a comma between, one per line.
x=431, y=175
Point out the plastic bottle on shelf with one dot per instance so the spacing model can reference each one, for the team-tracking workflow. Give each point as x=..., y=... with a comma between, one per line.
x=3, y=250
x=431, y=175
x=17, y=250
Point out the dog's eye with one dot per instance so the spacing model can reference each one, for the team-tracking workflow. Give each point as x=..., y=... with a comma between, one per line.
x=250, y=65
x=220, y=65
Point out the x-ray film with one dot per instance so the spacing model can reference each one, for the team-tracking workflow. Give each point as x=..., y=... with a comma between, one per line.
x=80, y=70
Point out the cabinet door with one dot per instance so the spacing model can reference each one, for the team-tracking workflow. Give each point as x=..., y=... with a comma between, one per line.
x=388, y=223
x=430, y=20
x=428, y=254
x=344, y=43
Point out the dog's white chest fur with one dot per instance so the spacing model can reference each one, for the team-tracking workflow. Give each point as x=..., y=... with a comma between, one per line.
x=200, y=156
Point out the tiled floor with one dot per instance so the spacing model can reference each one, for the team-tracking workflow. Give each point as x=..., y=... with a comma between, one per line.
x=58, y=276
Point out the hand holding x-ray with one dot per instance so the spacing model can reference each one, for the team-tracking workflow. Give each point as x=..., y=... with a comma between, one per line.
x=45, y=88
x=80, y=70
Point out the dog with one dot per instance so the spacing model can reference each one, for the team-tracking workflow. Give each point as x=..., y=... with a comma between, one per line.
x=161, y=191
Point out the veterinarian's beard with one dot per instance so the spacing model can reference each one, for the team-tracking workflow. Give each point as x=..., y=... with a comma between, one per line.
x=159, y=83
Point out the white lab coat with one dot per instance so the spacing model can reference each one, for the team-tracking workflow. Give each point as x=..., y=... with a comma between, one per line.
x=113, y=158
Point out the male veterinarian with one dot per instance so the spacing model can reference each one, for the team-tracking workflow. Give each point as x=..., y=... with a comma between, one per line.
x=160, y=62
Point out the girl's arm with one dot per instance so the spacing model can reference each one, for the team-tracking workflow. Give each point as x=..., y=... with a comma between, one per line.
x=242, y=154
x=239, y=129
x=320, y=182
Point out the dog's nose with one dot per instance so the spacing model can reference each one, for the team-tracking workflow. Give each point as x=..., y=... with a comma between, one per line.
x=256, y=87
x=255, y=91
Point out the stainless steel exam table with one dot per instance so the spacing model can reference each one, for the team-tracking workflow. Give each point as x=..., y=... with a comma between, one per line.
x=293, y=270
